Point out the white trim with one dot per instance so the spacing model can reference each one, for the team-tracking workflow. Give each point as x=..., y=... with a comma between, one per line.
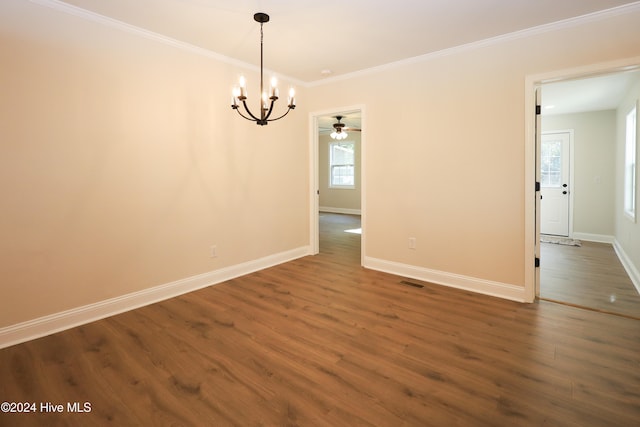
x=340, y=210
x=504, y=38
x=487, y=287
x=628, y=265
x=333, y=186
x=630, y=214
x=590, y=237
x=47, y=325
x=363, y=183
x=314, y=175
x=88, y=15
x=314, y=183
x=531, y=204
x=541, y=29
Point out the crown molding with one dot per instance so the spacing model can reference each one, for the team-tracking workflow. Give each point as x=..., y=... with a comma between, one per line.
x=79, y=12
x=529, y=32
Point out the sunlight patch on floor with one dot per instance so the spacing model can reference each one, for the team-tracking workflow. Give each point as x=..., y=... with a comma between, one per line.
x=354, y=231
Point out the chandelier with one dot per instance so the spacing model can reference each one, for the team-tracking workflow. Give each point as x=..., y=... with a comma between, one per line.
x=267, y=100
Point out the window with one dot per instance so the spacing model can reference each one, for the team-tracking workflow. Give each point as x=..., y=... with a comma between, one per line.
x=551, y=170
x=630, y=165
x=341, y=165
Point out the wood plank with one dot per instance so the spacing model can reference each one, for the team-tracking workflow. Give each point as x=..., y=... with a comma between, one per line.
x=322, y=341
x=588, y=276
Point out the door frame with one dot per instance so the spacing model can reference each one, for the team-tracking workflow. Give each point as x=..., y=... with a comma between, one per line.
x=314, y=176
x=532, y=153
x=571, y=171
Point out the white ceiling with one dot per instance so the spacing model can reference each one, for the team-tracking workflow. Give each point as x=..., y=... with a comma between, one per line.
x=588, y=94
x=304, y=38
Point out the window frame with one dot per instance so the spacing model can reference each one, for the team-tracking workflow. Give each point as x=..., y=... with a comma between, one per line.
x=630, y=189
x=333, y=165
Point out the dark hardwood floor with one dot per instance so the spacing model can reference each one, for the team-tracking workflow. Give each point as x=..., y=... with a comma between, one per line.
x=320, y=341
x=336, y=241
x=589, y=276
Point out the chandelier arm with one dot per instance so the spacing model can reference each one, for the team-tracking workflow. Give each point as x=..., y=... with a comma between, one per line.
x=244, y=102
x=278, y=118
x=243, y=116
x=266, y=116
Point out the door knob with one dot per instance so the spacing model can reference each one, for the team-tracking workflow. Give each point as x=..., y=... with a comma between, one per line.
x=564, y=185
x=564, y=192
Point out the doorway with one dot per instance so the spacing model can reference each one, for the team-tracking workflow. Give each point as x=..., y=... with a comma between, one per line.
x=337, y=171
x=546, y=164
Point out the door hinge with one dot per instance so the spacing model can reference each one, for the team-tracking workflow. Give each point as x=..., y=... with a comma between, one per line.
x=538, y=110
x=537, y=262
x=537, y=186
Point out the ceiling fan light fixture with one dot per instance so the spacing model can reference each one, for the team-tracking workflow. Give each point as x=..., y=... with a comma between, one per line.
x=338, y=133
x=267, y=100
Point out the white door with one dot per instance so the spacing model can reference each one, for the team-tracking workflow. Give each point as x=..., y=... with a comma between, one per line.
x=554, y=183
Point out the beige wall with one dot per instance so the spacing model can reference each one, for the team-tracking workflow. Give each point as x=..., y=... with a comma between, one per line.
x=627, y=232
x=594, y=169
x=121, y=163
x=332, y=199
x=455, y=176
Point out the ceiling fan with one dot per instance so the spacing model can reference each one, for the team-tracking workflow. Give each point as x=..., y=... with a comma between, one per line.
x=341, y=129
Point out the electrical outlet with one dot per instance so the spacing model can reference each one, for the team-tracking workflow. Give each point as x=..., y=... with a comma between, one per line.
x=213, y=252
x=412, y=242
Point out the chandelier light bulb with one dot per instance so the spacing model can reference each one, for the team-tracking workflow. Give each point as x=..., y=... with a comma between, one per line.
x=243, y=88
x=274, y=87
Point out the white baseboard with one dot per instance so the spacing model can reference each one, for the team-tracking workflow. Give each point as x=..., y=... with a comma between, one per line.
x=598, y=238
x=487, y=287
x=47, y=325
x=340, y=210
x=628, y=265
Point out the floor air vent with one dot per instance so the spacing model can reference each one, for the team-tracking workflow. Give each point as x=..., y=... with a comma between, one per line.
x=408, y=283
